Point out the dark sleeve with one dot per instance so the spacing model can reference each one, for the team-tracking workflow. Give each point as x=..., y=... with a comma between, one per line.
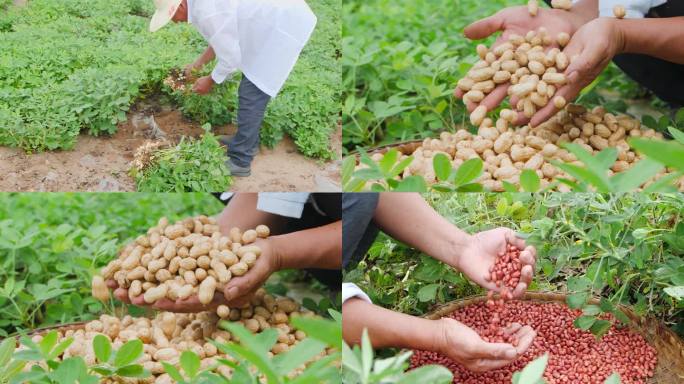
x=358, y=229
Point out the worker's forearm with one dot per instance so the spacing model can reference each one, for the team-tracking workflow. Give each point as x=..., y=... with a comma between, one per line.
x=319, y=247
x=207, y=56
x=242, y=212
x=387, y=328
x=658, y=37
x=407, y=217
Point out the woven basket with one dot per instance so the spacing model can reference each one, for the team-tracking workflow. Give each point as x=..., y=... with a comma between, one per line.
x=670, y=348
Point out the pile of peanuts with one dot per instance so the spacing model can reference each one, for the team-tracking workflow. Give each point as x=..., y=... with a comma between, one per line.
x=575, y=356
x=507, y=152
x=175, y=261
x=168, y=334
x=533, y=74
x=505, y=273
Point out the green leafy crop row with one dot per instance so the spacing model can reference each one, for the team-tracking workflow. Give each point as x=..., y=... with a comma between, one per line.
x=72, y=65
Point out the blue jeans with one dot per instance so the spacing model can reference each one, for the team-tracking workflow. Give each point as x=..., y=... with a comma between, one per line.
x=252, y=106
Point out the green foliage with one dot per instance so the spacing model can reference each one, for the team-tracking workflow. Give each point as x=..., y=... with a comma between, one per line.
x=98, y=57
x=359, y=366
x=624, y=248
x=191, y=166
x=46, y=368
x=533, y=372
x=51, y=244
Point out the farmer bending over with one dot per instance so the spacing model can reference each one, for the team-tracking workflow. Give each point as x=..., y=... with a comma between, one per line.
x=648, y=45
x=407, y=217
x=260, y=38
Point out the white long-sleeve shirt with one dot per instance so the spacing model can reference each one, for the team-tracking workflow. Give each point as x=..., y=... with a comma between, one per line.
x=261, y=38
x=635, y=9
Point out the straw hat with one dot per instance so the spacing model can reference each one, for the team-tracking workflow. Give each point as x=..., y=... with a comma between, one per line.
x=165, y=11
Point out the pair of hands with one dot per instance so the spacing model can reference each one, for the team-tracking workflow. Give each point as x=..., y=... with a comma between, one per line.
x=203, y=85
x=593, y=44
x=237, y=292
x=463, y=344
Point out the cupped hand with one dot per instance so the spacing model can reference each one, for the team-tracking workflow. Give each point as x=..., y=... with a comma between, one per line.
x=463, y=345
x=590, y=49
x=203, y=85
x=482, y=251
x=237, y=292
x=189, y=69
x=518, y=21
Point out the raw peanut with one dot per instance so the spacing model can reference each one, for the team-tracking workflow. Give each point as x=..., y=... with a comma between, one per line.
x=280, y=348
x=222, y=273
x=249, y=248
x=162, y=275
x=188, y=264
x=500, y=49
x=190, y=277
x=521, y=153
x=99, y=288
x=154, y=294
x=528, y=108
x=532, y=7
x=252, y=325
x=481, y=74
x=619, y=11
x=484, y=86
x=239, y=269
x=503, y=143
x=206, y=290
x=562, y=61
x=223, y=311
x=559, y=102
x=549, y=150
x=465, y=84
x=156, y=265
x=554, y=78
x=505, y=172
x=174, y=231
x=185, y=291
x=598, y=142
x=602, y=131
x=200, y=249
x=521, y=90
x=249, y=237
x=135, y=289
x=538, y=99
x=168, y=355
x=562, y=4
x=535, y=142
x=563, y=38
x=620, y=166
x=200, y=274
x=136, y=274
x=203, y=262
x=482, y=50
x=263, y=231
x=536, y=67
x=501, y=77
x=249, y=259
x=549, y=170
x=478, y=115
x=473, y=96
x=171, y=250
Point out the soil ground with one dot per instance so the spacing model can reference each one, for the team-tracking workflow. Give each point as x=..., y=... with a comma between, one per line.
x=101, y=164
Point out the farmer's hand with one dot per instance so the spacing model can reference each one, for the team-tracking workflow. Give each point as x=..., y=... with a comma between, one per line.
x=203, y=85
x=592, y=56
x=482, y=250
x=517, y=20
x=463, y=345
x=190, y=68
x=238, y=291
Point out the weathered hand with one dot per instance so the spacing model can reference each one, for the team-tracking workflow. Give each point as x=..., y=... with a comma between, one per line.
x=463, y=345
x=590, y=49
x=481, y=253
x=203, y=85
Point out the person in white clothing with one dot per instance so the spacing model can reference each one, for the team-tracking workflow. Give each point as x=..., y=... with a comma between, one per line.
x=646, y=45
x=261, y=38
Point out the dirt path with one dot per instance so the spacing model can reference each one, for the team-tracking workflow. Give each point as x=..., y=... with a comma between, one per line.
x=100, y=164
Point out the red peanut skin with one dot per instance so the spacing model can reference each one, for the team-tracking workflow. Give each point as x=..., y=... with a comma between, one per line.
x=575, y=355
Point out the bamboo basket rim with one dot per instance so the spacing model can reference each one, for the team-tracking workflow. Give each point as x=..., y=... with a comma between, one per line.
x=669, y=346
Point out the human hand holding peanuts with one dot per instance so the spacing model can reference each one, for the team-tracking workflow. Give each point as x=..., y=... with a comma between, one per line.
x=516, y=21
x=591, y=56
x=482, y=251
x=185, y=267
x=463, y=345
